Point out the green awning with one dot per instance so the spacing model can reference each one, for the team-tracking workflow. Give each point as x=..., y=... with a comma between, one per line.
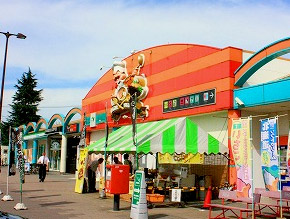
x=178, y=135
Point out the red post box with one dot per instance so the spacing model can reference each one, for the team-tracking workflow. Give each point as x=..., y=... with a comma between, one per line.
x=117, y=179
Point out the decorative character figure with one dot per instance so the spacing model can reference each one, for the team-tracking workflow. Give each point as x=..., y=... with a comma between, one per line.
x=128, y=85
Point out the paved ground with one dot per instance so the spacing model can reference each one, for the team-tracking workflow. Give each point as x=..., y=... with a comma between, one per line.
x=55, y=198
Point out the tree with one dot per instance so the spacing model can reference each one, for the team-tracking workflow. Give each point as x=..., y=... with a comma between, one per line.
x=25, y=101
x=24, y=105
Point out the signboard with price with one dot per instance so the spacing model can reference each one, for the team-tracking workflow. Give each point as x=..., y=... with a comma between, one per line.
x=202, y=98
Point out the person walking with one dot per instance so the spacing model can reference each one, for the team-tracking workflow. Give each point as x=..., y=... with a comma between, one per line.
x=43, y=162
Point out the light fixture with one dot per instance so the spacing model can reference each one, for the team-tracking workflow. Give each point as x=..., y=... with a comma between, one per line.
x=239, y=101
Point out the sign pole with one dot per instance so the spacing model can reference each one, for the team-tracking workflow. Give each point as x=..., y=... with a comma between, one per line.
x=103, y=193
x=8, y=197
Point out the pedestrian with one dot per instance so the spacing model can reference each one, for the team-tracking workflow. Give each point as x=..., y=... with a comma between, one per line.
x=92, y=168
x=128, y=162
x=116, y=160
x=43, y=162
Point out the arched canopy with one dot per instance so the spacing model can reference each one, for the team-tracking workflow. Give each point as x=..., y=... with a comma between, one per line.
x=30, y=126
x=70, y=115
x=41, y=122
x=54, y=118
x=260, y=58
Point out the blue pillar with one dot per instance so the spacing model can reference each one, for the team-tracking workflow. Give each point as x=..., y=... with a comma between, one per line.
x=24, y=146
x=34, y=151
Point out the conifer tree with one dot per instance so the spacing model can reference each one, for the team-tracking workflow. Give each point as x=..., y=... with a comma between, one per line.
x=25, y=101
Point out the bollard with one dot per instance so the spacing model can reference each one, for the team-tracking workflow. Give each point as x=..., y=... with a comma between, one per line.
x=116, y=202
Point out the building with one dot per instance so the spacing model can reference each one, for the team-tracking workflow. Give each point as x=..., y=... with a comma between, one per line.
x=59, y=137
x=209, y=86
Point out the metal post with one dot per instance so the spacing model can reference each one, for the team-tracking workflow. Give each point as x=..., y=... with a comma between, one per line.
x=7, y=35
x=116, y=202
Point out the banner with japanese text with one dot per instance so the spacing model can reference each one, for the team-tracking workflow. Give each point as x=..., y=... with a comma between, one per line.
x=180, y=158
x=82, y=168
x=288, y=153
x=269, y=156
x=241, y=148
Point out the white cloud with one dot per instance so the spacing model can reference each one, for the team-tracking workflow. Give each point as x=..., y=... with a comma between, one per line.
x=54, y=101
x=69, y=40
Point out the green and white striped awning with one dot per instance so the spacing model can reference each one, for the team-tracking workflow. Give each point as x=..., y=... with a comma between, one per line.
x=178, y=135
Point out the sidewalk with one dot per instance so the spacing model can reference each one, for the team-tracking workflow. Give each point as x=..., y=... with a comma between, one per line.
x=55, y=198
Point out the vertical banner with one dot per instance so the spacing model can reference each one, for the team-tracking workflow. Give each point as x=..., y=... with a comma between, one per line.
x=11, y=152
x=83, y=159
x=83, y=134
x=270, y=168
x=20, y=156
x=241, y=147
x=288, y=154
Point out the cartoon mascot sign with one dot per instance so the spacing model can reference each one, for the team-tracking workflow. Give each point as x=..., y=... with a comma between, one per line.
x=128, y=85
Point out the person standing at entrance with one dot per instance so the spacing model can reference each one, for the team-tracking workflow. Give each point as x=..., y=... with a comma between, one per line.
x=43, y=162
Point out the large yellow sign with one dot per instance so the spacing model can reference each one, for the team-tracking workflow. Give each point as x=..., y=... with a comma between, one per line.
x=81, y=170
x=180, y=158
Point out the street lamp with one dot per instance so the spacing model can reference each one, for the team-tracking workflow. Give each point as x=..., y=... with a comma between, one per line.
x=7, y=34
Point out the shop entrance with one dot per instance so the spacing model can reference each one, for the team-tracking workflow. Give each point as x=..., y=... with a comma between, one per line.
x=55, y=160
x=54, y=157
x=71, y=154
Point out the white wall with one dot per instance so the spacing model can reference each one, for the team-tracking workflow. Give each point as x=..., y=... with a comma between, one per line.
x=274, y=70
x=96, y=135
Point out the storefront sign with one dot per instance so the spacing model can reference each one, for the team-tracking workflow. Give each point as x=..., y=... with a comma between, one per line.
x=269, y=156
x=72, y=128
x=53, y=130
x=81, y=170
x=190, y=101
x=241, y=147
x=180, y=158
x=93, y=120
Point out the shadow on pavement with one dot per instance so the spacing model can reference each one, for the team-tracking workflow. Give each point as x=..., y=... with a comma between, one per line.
x=44, y=196
x=27, y=190
x=56, y=203
x=157, y=216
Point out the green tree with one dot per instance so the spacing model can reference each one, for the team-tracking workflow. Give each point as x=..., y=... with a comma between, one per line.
x=24, y=105
x=25, y=101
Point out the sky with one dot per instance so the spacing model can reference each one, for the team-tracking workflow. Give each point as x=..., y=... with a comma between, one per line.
x=68, y=41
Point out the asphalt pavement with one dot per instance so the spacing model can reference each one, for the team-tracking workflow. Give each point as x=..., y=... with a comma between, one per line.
x=55, y=198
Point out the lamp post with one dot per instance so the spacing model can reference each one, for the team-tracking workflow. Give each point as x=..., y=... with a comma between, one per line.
x=7, y=34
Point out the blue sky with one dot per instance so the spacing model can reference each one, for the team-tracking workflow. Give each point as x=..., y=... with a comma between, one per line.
x=69, y=40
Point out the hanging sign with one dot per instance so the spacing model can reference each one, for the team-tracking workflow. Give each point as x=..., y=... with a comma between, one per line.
x=139, y=202
x=180, y=158
x=241, y=147
x=269, y=156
